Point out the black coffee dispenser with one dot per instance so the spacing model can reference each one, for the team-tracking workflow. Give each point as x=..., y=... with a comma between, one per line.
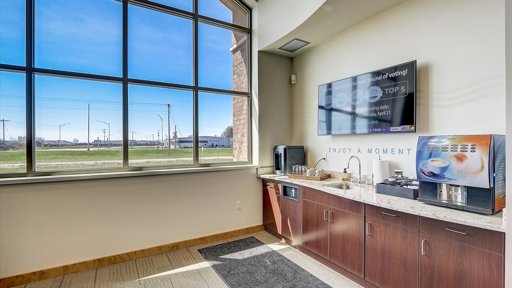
x=286, y=156
x=465, y=172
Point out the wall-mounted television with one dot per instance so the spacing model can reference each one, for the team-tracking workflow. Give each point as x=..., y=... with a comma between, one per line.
x=381, y=101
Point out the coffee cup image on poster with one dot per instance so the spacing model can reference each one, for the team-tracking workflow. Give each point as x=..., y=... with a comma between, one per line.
x=457, y=160
x=382, y=101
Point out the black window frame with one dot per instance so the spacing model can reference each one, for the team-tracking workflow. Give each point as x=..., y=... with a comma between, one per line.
x=29, y=70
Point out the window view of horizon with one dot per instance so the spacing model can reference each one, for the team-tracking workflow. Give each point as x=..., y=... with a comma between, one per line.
x=78, y=122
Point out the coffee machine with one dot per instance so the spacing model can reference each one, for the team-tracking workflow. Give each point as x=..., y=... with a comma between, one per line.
x=465, y=172
x=285, y=156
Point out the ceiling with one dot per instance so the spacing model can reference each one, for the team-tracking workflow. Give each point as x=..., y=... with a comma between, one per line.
x=331, y=18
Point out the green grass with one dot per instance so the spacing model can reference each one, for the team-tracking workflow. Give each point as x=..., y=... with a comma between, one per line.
x=55, y=155
x=12, y=157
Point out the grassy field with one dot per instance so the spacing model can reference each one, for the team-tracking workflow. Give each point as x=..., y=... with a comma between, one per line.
x=71, y=159
x=54, y=155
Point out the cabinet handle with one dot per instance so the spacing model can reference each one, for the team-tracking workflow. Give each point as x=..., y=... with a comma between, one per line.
x=368, y=231
x=325, y=215
x=331, y=216
x=388, y=214
x=423, y=251
x=455, y=231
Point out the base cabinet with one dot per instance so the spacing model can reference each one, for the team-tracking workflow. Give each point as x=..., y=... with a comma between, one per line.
x=391, y=249
x=453, y=255
x=291, y=220
x=315, y=228
x=271, y=206
x=333, y=228
x=383, y=247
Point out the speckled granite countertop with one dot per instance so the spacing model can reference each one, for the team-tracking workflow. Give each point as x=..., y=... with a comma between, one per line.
x=367, y=194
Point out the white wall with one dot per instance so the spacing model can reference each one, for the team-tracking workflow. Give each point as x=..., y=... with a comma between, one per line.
x=278, y=18
x=49, y=225
x=460, y=48
x=275, y=96
x=508, y=216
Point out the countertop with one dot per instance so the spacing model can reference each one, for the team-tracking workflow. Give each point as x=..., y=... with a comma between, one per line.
x=367, y=194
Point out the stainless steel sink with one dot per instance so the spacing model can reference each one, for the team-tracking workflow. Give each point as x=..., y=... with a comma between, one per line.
x=339, y=185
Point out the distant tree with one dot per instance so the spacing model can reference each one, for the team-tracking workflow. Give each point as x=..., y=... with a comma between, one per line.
x=228, y=132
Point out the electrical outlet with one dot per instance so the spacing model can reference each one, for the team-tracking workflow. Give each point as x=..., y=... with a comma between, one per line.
x=238, y=205
x=325, y=156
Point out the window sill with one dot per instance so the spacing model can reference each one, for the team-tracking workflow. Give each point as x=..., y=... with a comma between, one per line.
x=124, y=174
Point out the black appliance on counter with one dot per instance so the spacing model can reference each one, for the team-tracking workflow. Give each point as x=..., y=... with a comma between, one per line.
x=465, y=172
x=285, y=157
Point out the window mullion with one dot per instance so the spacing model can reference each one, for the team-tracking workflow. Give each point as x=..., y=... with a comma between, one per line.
x=29, y=89
x=125, y=86
x=195, y=152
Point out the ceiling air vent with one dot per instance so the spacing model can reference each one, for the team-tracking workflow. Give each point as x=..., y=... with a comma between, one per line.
x=294, y=45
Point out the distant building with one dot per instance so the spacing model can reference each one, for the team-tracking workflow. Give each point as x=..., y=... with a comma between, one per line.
x=204, y=141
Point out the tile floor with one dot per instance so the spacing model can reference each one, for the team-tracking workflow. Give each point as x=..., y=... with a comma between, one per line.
x=182, y=269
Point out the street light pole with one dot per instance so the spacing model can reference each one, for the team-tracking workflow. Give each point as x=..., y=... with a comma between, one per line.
x=88, y=125
x=169, y=127
x=108, y=124
x=60, y=128
x=162, y=126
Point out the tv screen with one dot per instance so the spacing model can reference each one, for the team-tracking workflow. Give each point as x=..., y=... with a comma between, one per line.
x=381, y=101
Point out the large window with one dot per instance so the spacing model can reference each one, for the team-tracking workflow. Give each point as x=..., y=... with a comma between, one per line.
x=105, y=85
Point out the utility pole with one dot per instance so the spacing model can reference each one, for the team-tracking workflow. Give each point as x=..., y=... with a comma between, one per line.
x=88, y=125
x=104, y=131
x=158, y=138
x=108, y=124
x=60, y=128
x=162, y=126
x=169, y=127
x=3, y=128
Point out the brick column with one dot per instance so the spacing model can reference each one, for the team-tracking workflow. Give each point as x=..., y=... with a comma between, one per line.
x=240, y=103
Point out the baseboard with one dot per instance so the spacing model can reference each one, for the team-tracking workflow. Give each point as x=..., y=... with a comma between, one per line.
x=116, y=259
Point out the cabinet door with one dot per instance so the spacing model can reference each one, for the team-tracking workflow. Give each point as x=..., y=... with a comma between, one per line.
x=391, y=255
x=271, y=207
x=291, y=217
x=446, y=263
x=346, y=240
x=315, y=228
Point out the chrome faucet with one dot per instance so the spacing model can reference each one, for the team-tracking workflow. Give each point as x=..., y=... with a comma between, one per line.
x=359, y=163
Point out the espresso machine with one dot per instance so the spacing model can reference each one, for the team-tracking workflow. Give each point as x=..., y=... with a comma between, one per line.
x=465, y=172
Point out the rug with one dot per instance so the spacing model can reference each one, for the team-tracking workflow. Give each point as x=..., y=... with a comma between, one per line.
x=250, y=263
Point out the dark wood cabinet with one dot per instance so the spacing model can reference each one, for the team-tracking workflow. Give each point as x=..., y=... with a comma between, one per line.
x=333, y=228
x=271, y=207
x=315, y=228
x=454, y=255
x=393, y=250
x=291, y=220
x=391, y=259
x=346, y=240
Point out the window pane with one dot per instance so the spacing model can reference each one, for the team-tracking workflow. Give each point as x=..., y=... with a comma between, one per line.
x=224, y=10
x=79, y=36
x=157, y=117
x=12, y=32
x=159, y=46
x=12, y=122
x=180, y=4
x=78, y=124
x=223, y=61
x=223, y=128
